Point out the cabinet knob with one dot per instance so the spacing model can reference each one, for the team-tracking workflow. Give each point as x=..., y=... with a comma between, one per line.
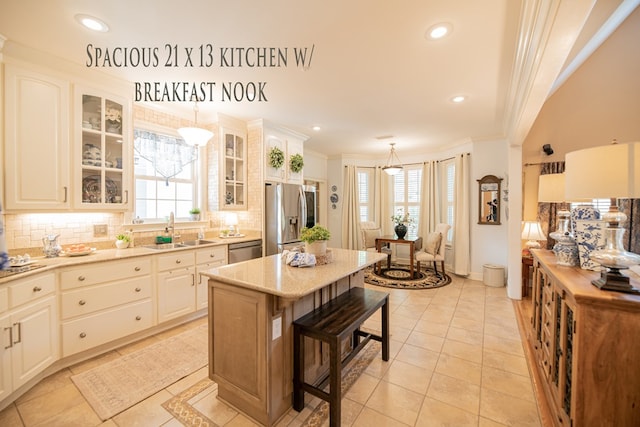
x=178, y=261
x=82, y=335
x=212, y=255
x=138, y=317
x=138, y=289
x=82, y=302
x=81, y=278
x=137, y=269
x=37, y=289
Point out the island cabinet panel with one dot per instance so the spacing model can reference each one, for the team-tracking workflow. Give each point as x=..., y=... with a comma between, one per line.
x=585, y=342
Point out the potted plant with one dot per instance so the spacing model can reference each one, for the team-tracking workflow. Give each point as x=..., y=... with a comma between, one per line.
x=296, y=163
x=122, y=241
x=195, y=214
x=315, y=239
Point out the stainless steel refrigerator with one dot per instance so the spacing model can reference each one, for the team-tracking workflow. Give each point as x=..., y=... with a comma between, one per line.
x=288, y=209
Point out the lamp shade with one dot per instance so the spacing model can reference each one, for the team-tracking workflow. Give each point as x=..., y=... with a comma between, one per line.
x=195, y=136
x=610, y=171
x=532, y=231
x=551, y=188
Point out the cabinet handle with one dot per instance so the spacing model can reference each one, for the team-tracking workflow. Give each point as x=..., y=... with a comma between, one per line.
x=83, y=335
x=10, y=338
x=138, y=317
x=19, y=340
x=138, y=289
x=81, y=278
x=65, y=194
x=82, y=302
x=37, y=289
x=126, y=196
x=137, y=269
x=212, y=255
x=193, y=279
x=178, y=261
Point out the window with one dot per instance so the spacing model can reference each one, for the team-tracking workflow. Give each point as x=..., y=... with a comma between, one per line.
x=365, y=193
x=449, y=183
x=166, y=178
x=406, y=195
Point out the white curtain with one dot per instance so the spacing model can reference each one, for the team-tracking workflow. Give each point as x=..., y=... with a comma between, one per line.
x=350, y=210
x=461, y=227
x=377, y=196
x=430, y=204
x=386, y=203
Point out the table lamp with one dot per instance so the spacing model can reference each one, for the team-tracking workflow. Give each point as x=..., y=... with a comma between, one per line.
x=231, y=221
x=531, y=232
x=611, y=171
x=551, y=190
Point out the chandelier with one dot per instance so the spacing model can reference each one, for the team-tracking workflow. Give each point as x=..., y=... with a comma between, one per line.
x=194, y=135
x=392, y=168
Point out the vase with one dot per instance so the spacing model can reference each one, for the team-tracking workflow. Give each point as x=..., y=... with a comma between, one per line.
x=401, y=230
x=195, y=217
x=318, y=248
x=122, y=244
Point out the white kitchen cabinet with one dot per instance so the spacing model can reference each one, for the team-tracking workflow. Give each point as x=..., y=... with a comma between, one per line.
x=288, y=142
x=102, y=151
x=176, y=285
x=29, y=331
x=207, y=258
x=233, y=169
x=36, y=157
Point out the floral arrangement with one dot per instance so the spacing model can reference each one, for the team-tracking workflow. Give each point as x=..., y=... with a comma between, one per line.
x=402, y=218
x=296, y=163
x=113, y=115
x=276, y=158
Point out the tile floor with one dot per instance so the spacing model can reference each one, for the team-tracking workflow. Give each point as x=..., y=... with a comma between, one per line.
x=456, y=360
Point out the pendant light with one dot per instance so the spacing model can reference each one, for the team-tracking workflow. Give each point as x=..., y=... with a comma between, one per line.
x=195, y=135
x=392, y=168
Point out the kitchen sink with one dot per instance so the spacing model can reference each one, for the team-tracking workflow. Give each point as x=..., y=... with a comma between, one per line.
x=198, y=242
x=165, y=246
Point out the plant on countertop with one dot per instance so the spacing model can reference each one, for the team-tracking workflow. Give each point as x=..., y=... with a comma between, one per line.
x=315, y=233
x=296, y=163
x=194, y=211
x=123, y=237
x=276, y=158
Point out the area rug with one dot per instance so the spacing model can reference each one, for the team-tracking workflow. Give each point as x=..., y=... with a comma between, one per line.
x=181, y=405
x=398, y=276
x=117, y=385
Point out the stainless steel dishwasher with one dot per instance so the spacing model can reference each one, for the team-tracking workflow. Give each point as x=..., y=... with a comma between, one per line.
x=245, y=251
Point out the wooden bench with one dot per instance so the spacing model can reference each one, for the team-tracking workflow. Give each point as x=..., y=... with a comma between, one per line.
x=332, y=323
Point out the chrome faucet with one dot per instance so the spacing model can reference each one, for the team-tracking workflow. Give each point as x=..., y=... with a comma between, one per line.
x=171, y=228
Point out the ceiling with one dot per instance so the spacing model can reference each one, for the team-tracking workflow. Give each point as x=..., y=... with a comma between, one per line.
x=373, y=73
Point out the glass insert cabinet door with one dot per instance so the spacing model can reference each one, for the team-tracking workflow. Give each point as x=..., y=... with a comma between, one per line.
x=102, y=152
x=489, y=200
x=234, y=171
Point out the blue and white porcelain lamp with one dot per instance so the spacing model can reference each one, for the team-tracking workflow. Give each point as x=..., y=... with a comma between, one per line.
x=611, y=171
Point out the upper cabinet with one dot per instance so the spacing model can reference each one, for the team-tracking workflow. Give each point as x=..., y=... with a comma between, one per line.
x=36, y=140
x=233, y=169
x=102, y=151
x=283, y=153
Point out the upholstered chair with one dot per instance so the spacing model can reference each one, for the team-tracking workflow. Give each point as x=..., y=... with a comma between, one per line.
x=369, y=232
x=433, y=248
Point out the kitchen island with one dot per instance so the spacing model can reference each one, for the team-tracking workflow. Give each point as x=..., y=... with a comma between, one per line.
x=252, y=306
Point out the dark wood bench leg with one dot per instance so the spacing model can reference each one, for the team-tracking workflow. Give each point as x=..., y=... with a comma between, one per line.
x=385, y=330
x=298, y=369
x=335, y=382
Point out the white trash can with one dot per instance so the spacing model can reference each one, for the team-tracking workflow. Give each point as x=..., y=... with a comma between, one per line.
x=493, y=275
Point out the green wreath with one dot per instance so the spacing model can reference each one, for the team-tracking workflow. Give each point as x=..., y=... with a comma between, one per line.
x=296, y=163
x=276, y=158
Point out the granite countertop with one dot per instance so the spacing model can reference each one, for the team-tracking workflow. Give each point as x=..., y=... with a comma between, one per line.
x=271, y=275
x=102, y=255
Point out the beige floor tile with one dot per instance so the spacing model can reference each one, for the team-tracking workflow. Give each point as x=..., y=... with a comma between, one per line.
x=431, y=328
x=362, y=389
x=396, y=402
x=369, y=417
x=507, y=383
x=48, y=385
x=464, y=335
x=241, y=421
x=409, y=376
x=455, y=392
x=502, y=330
x=437, y=316
x=410, y=311
x=146, y=413
x=504, y=345
x=435, y=413
x=474, y=325
x=486, y=422
x=418, y=356
x=216, y=410
x=378, y=367
x=470, y=352
x=80, y=415
x=459, y=368
x=504, y=361
x=405, y=322
x=45, y=407
x=350, y=412
x=10, y=417
x=429, y=342
x=470, y=313
x=507, y=409
x=399, y=333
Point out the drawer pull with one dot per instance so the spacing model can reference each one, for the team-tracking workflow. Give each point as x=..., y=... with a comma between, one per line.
x=212, y=255
x=178, y=261
x=138, y=289
x=37, y=289
x=10, y=338
x=81, y=278
x=137, y=269
x=83, y=335
x=82, y=302
x=138, y=317
x=19, y=340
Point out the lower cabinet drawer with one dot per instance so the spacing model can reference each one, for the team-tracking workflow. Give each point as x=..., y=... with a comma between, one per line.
x=93, y=330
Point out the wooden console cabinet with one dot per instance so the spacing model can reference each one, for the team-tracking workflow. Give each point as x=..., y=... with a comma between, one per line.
x=586, y=345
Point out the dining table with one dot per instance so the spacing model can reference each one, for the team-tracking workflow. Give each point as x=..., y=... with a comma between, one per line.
x=393, y=239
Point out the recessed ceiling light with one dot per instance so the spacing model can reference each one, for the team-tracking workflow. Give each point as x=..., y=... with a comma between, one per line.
x=92, y=23
x=316, y=128
x=438, y=31
x=458, y=99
